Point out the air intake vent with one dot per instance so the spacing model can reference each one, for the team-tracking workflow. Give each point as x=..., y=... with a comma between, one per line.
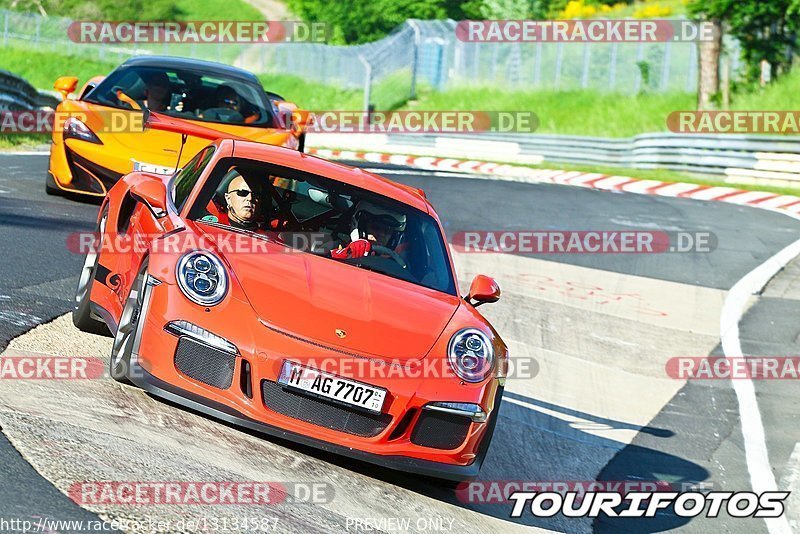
x=440, y=430
x=205, y=364
x=322, y=413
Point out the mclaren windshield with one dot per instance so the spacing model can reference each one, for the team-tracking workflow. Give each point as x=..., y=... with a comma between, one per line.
x=186, y=93
x=328, y=218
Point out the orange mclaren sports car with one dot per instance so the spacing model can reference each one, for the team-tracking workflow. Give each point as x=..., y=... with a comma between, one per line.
x=99, y=137
x=300, y=298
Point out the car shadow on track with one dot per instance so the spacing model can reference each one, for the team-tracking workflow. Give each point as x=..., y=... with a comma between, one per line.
x=540, y=442
x=535, y=441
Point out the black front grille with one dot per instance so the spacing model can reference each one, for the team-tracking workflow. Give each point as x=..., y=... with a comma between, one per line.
x=321, y=413
x=205, y=364
x=440, y=430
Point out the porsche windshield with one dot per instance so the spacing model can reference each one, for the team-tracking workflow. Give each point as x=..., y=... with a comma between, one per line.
x=327, y=218
x=187, y=94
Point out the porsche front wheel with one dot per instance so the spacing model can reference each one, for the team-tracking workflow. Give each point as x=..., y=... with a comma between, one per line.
x=124, y=339
x=82, y=313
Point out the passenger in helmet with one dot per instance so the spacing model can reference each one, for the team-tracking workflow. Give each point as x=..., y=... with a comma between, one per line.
x=376, y=230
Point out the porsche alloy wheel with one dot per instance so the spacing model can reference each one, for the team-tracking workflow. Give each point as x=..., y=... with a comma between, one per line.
x=125, y=337
x=82, y=313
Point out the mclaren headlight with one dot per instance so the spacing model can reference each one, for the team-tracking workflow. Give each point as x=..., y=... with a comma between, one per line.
x=471, y=354
x=74, y=128
x=202, y=278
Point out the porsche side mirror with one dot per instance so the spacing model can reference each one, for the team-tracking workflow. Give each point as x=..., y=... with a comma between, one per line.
x=483, y=290
x=66, y=85
x=153, y=194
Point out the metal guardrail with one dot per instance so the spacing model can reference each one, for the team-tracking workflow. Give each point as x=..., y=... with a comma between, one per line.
x=16, y=94
x=762, y=156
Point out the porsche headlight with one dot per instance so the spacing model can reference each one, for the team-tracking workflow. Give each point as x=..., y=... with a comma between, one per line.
x=202, y=278
x=471, y=354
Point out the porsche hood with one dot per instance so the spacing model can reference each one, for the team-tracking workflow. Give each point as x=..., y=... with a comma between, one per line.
x=340, y=305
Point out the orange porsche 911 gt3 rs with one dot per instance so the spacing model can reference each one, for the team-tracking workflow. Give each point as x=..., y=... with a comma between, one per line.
x=301, y=298
x=98, y=141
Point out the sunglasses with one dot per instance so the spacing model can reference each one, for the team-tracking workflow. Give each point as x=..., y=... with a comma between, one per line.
x=244, y=193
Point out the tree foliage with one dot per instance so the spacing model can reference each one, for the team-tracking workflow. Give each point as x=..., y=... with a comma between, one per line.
x=360, y=21
x=766, y=29
x=99, y=9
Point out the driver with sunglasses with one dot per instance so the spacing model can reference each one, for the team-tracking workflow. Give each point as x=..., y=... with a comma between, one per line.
x=243, y=199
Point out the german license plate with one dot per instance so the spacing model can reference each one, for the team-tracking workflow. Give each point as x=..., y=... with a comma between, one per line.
x=332, y=387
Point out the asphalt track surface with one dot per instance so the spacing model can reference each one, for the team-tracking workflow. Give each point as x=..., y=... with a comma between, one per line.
x=693, y=436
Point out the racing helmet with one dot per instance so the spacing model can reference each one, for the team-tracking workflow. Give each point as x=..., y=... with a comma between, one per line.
x=368, y=215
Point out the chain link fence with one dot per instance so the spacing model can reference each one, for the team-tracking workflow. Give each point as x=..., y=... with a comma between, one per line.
x=418, y=53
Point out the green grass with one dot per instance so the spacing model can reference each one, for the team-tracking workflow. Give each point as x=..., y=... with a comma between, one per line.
x=781, y=95
x=218, y=10
x=23, y=140
x=310, y=95
x=589, y=113
x=42, y=68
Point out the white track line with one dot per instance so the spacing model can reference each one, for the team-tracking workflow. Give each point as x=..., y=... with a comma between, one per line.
x=755, y=441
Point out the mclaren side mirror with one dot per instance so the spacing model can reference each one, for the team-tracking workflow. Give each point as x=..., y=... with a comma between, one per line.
x=66, y=85
x=483, y=290
x=301, y=118
x=153, y=194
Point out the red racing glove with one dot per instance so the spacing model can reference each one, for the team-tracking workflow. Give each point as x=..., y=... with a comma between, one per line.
x=356, y=249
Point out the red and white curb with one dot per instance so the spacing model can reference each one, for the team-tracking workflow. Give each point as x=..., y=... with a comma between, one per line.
x=516, y=173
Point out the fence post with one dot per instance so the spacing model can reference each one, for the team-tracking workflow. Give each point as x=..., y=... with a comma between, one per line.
x=476, y=64
x=637, y=84
x=537, y=65
x=495, y=52
x=367, y=81
x=262, y=51
x=559, y=60
x=414, y=58
x=585, y=73
x=691, y=75
x=665, y=66
x=612, y=67
x=5, y=31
